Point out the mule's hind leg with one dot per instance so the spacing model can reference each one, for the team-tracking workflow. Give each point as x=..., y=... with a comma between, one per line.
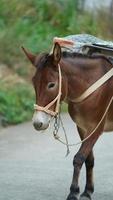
x=89, y=188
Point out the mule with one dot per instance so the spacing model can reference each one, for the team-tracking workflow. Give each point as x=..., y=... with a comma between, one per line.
x=78, y=73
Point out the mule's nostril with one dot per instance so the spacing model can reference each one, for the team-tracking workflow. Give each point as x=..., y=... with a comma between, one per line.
x=38, y=125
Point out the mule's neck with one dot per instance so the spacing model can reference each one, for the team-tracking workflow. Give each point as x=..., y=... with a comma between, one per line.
x=79, y=74
x=72, y=79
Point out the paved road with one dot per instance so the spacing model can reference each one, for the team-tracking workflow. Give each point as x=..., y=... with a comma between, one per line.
x=33, y=165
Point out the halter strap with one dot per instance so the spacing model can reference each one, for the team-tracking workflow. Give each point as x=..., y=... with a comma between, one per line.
x=46, y=108
x=95, y=86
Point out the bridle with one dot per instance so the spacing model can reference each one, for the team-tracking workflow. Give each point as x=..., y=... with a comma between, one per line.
x=46, y=108
x=82, y=97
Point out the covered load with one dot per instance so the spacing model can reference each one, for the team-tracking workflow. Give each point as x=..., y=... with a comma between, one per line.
x=85, y=44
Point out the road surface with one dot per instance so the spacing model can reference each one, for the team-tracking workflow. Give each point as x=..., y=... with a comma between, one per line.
x=33, y=165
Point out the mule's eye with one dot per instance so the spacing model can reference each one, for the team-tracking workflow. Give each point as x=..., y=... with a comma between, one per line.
x=51, y=85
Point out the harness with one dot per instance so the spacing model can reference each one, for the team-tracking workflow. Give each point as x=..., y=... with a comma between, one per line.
x=79, y=99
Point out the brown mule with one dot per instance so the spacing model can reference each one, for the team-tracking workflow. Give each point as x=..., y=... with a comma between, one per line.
x=78, y=73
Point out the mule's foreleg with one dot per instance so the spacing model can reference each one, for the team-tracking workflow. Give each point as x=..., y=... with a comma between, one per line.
x=78, y=161
x=89, y=188
x=89, y=163
x=74, y=189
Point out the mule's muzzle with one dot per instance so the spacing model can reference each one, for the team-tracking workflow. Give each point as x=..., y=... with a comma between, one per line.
x=41, y=120
x=37, y=126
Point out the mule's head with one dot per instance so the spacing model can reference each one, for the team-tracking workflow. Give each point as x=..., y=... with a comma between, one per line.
x=46, y=84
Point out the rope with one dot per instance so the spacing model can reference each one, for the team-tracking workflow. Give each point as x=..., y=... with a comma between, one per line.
x=89, y=91
x=55, y=113
x=95, y=86
x=92, y=132
x=57, y=137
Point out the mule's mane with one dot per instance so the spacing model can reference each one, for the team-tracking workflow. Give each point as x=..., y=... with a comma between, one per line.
x=66, y=54
x=45, y=59
x=42, y=60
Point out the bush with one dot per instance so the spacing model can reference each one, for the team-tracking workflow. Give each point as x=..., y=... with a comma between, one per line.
x=16, y=103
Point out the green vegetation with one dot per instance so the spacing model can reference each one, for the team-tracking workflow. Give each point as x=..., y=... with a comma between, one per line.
x=33, y=24
x=16, y=104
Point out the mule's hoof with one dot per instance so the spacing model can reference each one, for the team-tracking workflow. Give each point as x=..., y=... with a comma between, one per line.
x=85, y=196
x=72, y=197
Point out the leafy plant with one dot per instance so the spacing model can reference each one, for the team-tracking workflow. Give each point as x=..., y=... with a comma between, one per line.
x=16, y=104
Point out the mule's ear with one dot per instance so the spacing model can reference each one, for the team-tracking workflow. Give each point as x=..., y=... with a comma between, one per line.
x=57, y=52
x=29, y=55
